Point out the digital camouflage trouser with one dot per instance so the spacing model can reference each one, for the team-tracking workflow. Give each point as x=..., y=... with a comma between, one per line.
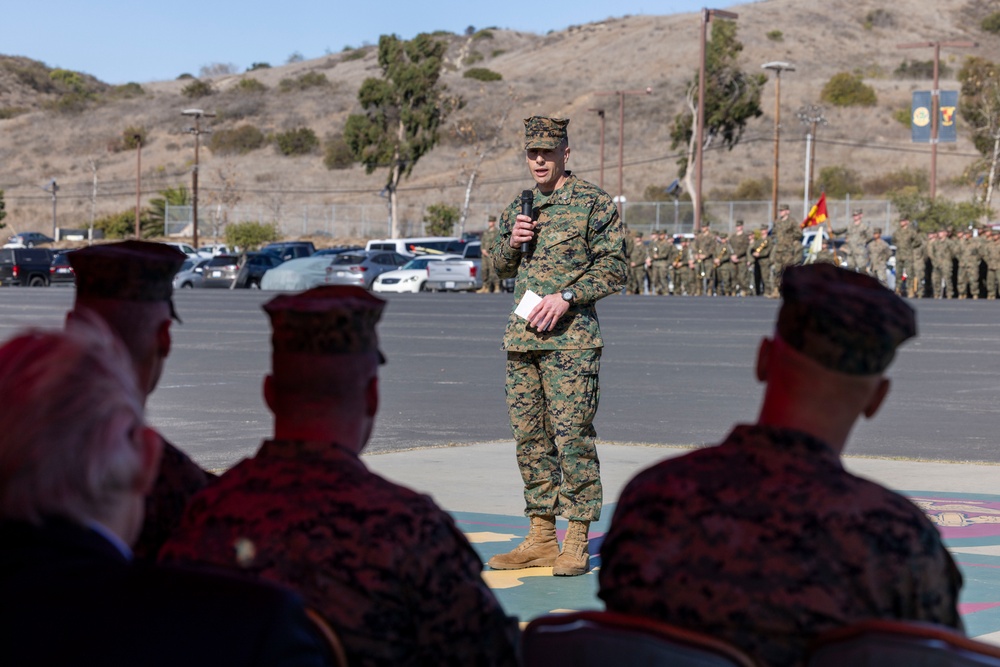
x=552, y=397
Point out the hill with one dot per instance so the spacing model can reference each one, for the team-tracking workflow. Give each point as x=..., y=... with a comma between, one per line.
x=72, y=130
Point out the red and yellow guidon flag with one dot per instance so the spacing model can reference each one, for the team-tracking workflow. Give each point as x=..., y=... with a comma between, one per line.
x=817, y=214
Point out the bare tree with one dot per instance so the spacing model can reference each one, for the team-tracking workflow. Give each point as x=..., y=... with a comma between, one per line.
x=224, y=194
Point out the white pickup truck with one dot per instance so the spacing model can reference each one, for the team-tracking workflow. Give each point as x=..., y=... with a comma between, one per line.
x=456, y=275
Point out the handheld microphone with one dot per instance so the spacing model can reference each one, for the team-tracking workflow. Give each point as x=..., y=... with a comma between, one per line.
x=527, y=200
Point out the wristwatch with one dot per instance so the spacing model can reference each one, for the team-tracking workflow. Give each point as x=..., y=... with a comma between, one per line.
x=568, y=295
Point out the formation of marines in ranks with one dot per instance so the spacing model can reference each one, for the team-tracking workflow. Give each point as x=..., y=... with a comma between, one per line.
x=938, y=264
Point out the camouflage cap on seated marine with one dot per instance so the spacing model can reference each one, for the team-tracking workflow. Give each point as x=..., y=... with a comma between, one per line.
x=326, y=320
x=541, y=132
x=127, y=271
x=845, y=321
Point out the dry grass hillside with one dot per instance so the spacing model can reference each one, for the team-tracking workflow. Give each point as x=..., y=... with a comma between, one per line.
x=560, y=73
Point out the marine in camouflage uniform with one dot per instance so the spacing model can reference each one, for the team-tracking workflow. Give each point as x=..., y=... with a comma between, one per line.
x=856, y=245
x=576, y=256
x=637, y=256
x=765, y=541
x=491, y=282
x=685, y=271
x=705, y=246
x=739, y=244
x=129, y=286
x=661, y=251
x=942, y=254
x=724, y=272
x=787, y=235
x=968, y=254
x=383, y=565
x=762, y=248
x=879, y=253
x=906, y=239
x=991, y=256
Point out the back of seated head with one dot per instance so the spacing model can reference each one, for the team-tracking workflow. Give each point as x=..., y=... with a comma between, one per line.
x=69, y=406
x=845, y=321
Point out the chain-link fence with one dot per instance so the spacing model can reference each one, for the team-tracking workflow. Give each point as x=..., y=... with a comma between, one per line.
x=359, y=221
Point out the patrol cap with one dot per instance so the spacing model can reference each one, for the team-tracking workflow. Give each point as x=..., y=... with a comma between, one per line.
x=127, y=271
x=877, y=230
x=326, y=320
x=739, y=223
x=845, y=321
x=544, y=133
x=784, y=207
x=857, y=211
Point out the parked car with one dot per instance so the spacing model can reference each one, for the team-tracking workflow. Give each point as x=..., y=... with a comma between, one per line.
x=290, y=249
x=60, y=272
x=411, y=277
x=213, y=249
x=254, y=268
x=184, y=248
x=296, y=274
x=335, y=251
x=361, y=267
x=221, y=271
x=25, y=266
x=29, y=239
x=191, y=274
x=416, y=245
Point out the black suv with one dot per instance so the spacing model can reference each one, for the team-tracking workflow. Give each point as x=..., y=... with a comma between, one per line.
x=287, y=250
x=25, y=266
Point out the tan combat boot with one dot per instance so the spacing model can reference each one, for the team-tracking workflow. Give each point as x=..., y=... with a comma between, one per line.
x=539, y=549
x=575, y=558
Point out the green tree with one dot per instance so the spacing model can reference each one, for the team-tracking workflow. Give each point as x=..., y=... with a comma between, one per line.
x=979, y=106
x=934, y=214
x=122, y=225
x=403, y=111
x=732, y=98
x=440, y=219
x=251, y=235
x=158, y=206
x=300, y=141
x=838, y=182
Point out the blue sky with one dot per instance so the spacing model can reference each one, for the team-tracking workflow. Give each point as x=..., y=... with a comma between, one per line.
x=142, y=41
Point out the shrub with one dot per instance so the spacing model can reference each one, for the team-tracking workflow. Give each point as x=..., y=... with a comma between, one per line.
x=11, y=112
x=300, y=141
x=237, y=141
x=257, y=66
x=914, y=180
x=122, y=225
x=904, y=117
x=251, y=235
x=920, y=69
x=991, y=23
x=294, y=57
x=337, y=153
x=128, y=90
x=878, y=18
x=197, y=88
x=482, y=74
x=353, y=54
x=776, y=36
x=68, y=79
x=838, y=182
x=846, y=90
x=485, y=33
x=70, y=103
x=440, y=219
x=185, y=76
x=217, y=69
x=497, y=52
x=303, y=82
x=473, y=58
x=250, y=85
x=754, y=189
x=133, y=136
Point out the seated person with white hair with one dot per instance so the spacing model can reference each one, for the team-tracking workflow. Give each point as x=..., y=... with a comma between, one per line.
x=76, y=462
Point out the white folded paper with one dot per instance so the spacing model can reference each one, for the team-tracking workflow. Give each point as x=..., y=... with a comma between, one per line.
x=528, y=303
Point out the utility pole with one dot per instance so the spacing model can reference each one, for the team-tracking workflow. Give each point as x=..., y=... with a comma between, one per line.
x=935, y=96
x=621, y=126
x=777, y=68
x=600, y=112
x=197, y=114
x=811, y=116
x=706, y=16
x=53, y=188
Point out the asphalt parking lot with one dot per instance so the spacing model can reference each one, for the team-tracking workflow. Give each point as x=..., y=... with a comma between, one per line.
x=675, y=370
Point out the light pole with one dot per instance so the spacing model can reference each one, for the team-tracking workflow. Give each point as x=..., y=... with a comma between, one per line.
x=935, y=97
x=138, y=180
x=53, y=188
x=777, y=67
x=621, y=125
x=811, y=116
x=706, y=16
x=197, y=114
x=600, y=112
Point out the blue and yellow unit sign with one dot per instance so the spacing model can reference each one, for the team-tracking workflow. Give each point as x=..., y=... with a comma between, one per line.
x=920, y=117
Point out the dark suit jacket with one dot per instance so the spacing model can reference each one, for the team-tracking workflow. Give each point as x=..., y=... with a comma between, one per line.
x=69, y=597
